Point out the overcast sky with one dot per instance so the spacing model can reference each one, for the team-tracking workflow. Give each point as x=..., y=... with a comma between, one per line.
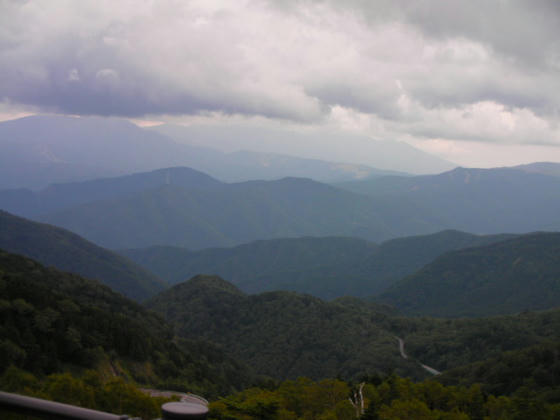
x=476, y=82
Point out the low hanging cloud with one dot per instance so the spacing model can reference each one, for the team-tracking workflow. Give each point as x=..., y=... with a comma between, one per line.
x=483, y=71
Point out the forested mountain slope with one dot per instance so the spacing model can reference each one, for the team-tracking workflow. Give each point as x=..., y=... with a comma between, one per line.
x=536, y=368
x=286, y=335
x=445, y=343
x=67, y=251
x=52, y=321
x=518, y=274
x=283, y=334
x=324, y=267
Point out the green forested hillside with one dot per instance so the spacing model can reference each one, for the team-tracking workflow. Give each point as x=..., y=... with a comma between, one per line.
x=283, y=334
x=518, y=274
x=51, y=321
x=390, y=398
x=69, y=252
x=449, y=343
x=399, y=257
x=536, y=368
x=324, y=267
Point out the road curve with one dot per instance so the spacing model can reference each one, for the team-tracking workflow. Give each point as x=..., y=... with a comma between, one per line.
x=404, y=356
x=401, y=347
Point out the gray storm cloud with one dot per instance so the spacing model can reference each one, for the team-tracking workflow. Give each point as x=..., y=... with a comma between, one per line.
x=117, y=60
x=484, y=71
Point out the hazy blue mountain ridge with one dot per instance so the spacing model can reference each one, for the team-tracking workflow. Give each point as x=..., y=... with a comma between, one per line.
x=237, y=213
x=476, y=200
x=183, y=207
x=326, y=145
x=69, y=252
x=325, y=267
x=40, y=150
x=60, y=196
x=544, y=168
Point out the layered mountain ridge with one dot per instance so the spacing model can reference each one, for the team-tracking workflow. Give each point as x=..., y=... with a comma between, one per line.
x=69, y=252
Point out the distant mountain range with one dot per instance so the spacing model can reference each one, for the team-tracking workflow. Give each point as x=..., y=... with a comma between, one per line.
x=323, y=144
x=67, y=251
x=544, y=168
x=57, y=197
x=334, y=241
x=326, y=267
x=183, y=207
x=514, y=275
x=478, y=200
x=231, y=214
x=40, y=150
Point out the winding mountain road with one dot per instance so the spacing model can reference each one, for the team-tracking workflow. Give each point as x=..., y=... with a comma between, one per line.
x=404, y=356
x=401, y=347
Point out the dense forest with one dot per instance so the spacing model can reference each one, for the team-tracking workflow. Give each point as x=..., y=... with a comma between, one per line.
x=536, y=368
x=517, y=274
x=52, y=321
x=390, y=398
x=285, y=334
x=101, y=348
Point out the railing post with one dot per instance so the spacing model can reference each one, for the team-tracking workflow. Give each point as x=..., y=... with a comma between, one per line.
x=183, y=411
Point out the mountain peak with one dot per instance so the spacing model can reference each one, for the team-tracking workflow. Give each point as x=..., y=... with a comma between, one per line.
x=206, y=281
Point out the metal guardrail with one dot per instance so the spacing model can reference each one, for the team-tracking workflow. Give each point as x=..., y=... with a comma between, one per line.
x=53, y=410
